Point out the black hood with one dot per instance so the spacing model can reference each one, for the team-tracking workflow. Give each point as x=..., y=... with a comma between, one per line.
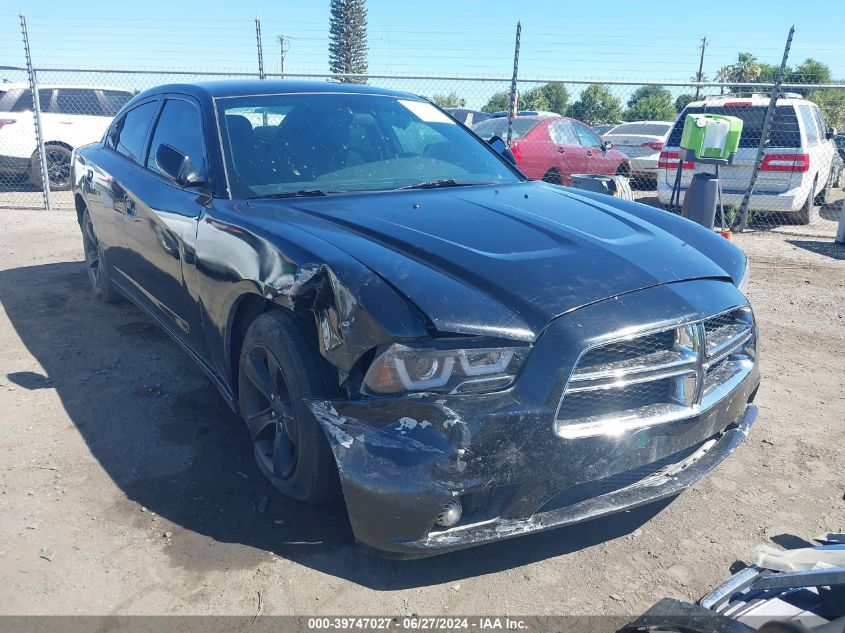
x=503, y=260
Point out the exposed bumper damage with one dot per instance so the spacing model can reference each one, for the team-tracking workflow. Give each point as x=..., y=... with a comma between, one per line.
x=402, y=459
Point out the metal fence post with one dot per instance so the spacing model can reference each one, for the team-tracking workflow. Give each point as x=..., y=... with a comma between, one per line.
x=764, y=134
x=36, y=107
x=513, y=101
x=260, y=49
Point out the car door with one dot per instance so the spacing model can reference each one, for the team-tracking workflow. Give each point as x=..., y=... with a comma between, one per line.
x=570, y=156
x=161, y=224
x=105, y=177
x=77, y=117
x=596, y=160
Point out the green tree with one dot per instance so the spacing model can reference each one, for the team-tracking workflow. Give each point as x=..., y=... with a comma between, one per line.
x=496, y=103
x=832, y=105
x=769, y=72
x=596, y=105
x=652, y=108
x=557, y=97
x=649, y=91
x=810, y=71
x=534, y=99
x=348, y=38
x=682, y=101
x=746, y=69
x=451, y=100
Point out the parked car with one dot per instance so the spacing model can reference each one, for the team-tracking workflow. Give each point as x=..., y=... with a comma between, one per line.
x=603, y=128
x=796, y=171
x=641, y=142
x=467, y=117
x=455, y=385
x=71, y=116
x=504, y=113
x=839, y=140
x=554, y=148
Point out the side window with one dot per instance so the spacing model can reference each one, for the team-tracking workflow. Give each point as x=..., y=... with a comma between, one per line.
x=180, y=127
x=78, y=101
x=132, y=130
x=563, y=134
x=820, y=121
x=810, y=125
x=24, y=102
x=587, y=137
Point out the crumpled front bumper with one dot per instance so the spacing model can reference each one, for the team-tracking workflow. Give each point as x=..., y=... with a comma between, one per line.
x=402, y=459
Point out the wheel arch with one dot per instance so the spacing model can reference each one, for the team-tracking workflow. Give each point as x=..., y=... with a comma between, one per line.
x=245, y=309
x=80, y=205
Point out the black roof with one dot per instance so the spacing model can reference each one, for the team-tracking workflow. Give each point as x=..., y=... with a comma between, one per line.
x=243, y=87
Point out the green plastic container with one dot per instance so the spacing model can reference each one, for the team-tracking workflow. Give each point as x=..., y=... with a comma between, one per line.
x=712, y=136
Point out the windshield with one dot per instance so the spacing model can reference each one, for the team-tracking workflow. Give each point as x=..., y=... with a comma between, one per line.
x=499, y=127
x=301, y=144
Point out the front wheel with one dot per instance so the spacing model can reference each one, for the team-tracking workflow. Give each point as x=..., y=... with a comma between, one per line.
x=280, y=368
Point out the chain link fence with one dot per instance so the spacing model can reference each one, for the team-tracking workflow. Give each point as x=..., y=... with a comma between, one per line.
x=629, y=128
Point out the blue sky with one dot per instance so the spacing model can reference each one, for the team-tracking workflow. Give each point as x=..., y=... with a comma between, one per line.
x=609, y=40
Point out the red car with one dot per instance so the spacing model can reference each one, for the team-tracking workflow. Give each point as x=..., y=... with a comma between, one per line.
x=554, y=148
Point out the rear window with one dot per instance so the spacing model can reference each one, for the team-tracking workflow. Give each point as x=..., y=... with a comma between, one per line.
x=499, y=127
x=651, y=129
x=784, y=131
x=78, y=101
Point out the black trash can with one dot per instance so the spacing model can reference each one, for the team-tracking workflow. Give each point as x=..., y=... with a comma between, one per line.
x=701, y=198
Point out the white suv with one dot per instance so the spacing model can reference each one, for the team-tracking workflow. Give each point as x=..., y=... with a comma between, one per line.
x=71, y=116
x=796, y=171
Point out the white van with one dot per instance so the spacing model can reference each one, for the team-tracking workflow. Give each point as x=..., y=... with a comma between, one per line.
x=796, y=171
x=71, y=116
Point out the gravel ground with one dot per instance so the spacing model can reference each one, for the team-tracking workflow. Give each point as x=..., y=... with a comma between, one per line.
x=127, y=487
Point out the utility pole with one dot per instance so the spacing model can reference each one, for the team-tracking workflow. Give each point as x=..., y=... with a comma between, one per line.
x=283, y=49
x=700, y=76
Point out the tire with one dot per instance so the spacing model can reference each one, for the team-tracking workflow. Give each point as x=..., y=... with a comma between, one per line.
x=807, y=212
x=553, y=176
x=279, y=369
x=99, y=274
x=58, y=167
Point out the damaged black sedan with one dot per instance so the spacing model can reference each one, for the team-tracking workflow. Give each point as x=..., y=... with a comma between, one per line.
x=401, y=318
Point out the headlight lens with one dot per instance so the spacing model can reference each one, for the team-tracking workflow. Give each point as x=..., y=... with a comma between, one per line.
x=743, y=282
x=401, y=368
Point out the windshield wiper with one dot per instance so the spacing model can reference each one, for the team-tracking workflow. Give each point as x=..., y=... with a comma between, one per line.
x=302, y=193
x=436, y=184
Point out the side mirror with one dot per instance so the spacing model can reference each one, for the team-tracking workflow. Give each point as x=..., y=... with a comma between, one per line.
x=606, y=145
x=502, y=148
x=177, y=166
x=831, y=132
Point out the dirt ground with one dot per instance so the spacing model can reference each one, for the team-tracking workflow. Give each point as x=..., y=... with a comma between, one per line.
x=127, y=486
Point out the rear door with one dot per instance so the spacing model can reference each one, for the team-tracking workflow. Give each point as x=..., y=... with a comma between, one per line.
x=76, y=116
x=161, y=224
x=597, y=160
x=570, y=157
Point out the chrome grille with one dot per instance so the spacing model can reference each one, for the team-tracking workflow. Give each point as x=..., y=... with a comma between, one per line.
x=657, y=377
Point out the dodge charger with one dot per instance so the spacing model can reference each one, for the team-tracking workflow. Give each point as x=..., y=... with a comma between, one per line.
x=403, y=320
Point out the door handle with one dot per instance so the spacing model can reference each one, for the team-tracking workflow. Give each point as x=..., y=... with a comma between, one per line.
x=131, y=211
x=561, y=150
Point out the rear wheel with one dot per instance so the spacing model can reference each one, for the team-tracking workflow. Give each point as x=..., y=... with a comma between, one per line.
x=95, y=263
x=280, y=369
x=806, y=214
x=553, y=176
x=58, y=167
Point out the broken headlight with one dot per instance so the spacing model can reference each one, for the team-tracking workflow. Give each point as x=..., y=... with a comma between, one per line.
x=400, y=368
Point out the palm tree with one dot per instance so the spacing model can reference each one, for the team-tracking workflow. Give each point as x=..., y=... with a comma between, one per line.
x=723, y=75
x=746, y=70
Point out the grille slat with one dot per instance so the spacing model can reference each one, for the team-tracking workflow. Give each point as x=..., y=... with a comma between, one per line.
x=657, y=377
